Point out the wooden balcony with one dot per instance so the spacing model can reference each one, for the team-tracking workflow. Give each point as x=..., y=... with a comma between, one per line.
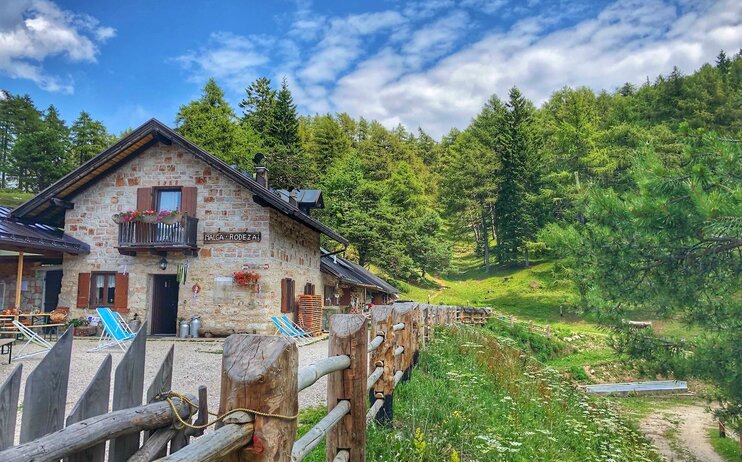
x=158, y=237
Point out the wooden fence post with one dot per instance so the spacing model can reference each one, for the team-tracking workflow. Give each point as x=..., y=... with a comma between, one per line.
x=384, y=356
x=348, y=336
x=45, y=394
x=259, y=372
x=548, y=331
x=512, y=321
x=9, y=392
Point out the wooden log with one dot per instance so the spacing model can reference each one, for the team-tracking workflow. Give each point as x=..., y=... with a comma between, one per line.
x=308, y=375
x=45, y=394
x=95, y=430
x=348, y=336
x=316, y=434
x=209, y=332
x=374, y=377
x=373, y=411
x=384, y=357
x=155, y=446
x=259, y=372
x=93, y=402
x=128, y=386
x=375, y=343
x=216, y=446
x=9, y=392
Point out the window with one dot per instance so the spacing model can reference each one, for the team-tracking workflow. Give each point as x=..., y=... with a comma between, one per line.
x=330, y=295
x=102, y=289
x=168, y=199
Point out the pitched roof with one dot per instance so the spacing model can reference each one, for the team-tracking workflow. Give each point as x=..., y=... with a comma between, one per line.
x=353, y=273
x=35, y=237
x=42, y=208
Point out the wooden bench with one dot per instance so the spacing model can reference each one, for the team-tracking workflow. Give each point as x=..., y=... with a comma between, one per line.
x=7, y=344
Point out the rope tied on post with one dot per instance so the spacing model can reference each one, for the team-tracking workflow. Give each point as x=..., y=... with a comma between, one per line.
x=193, y=407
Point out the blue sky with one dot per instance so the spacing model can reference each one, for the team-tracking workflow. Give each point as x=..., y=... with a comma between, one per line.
x=421, y=63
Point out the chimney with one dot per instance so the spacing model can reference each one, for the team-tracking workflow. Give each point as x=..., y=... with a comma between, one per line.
x=292, y=197
x=261, y=175
x=261, y=171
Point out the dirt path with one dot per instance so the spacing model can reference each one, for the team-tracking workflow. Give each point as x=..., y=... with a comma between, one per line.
x=680, y=434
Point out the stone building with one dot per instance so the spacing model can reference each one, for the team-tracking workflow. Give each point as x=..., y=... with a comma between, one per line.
x=348, y=284
x=231, y=223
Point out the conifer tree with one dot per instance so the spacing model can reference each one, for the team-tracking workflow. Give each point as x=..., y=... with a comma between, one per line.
x=259, y=105
x=88, y=138
x=514, y=211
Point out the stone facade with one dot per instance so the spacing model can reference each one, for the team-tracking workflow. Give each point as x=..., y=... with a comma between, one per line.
x=287, y=249
x=32, y=289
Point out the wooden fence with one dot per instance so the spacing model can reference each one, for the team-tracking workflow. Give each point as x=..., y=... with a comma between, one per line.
x=258, y=406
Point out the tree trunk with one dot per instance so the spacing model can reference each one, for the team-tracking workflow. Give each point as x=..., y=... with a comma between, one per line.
x=485, y=239
x=526, y=253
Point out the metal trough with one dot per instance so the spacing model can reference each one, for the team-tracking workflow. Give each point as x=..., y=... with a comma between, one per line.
x=639, y=388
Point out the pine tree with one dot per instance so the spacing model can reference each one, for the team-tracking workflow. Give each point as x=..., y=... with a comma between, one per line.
x=514, y=210
x=88, y=138
x=210, y=123
x=39, y=156
x=284, y=124
x=18, y=116
x=258, y=106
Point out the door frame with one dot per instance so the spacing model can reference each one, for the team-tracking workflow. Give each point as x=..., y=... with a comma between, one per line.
x=154, y=307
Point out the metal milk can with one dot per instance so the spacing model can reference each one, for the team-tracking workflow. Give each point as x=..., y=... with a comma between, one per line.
x=184, y=328
x=195, y=326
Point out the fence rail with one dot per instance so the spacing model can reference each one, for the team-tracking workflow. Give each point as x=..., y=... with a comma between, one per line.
x=258, y=408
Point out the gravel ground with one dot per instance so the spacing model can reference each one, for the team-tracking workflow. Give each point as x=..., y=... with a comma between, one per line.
x=197, y=362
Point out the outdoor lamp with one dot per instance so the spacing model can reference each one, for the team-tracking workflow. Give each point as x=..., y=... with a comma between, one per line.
x=163, y=263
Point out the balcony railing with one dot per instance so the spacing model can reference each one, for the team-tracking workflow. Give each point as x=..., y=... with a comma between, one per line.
x=137, y=235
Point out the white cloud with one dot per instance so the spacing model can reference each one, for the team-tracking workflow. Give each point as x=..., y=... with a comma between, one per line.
x=33, y=30
x=627, y=42
x=229, y=58
x=433, y=64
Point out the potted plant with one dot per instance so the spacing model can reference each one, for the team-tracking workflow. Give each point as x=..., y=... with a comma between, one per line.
x=81, y=327
x=169, y=216
x=148, y=216
x=245, y=278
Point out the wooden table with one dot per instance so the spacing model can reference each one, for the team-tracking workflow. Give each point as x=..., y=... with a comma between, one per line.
x=6, y=321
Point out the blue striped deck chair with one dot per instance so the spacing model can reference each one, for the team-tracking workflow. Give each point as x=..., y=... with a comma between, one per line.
x=115, y=331
x=287, y=331
x=32, y=338
x=295, y=327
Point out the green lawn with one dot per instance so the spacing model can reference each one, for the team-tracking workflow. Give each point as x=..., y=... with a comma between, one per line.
x=475, y=398
x=728, y=448
x=528, y=293
x=12, y=198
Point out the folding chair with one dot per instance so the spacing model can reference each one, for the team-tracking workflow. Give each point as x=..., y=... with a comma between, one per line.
x=288, y=331
x=32, y=338
x=115, y=331
x=294, y=327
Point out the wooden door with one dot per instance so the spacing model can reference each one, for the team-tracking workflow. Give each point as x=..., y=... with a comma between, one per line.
x=164, y=304
x=52, y=286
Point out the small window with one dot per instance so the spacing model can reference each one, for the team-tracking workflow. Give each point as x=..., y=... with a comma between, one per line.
x=103, y=289
x=168, y=199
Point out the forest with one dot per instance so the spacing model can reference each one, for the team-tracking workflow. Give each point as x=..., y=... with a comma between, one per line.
x=635, y=191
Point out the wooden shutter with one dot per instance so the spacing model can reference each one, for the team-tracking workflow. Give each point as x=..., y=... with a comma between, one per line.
x=83, y=290
x=121, y=294
x=188, y=200
x=345, y=297
x=144, y=199
x=285, y=296
x=307, y=289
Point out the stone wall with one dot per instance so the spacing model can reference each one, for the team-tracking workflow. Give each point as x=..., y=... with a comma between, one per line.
x=32, y=297
x=286, y=249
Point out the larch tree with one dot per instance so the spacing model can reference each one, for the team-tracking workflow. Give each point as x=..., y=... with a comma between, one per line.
x=88, y=138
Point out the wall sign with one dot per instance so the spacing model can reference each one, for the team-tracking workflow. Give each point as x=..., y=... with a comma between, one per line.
x=222, y=236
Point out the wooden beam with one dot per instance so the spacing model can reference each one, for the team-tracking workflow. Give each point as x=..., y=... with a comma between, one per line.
x=19, y=281
x=259, y=372
x=348, y=336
